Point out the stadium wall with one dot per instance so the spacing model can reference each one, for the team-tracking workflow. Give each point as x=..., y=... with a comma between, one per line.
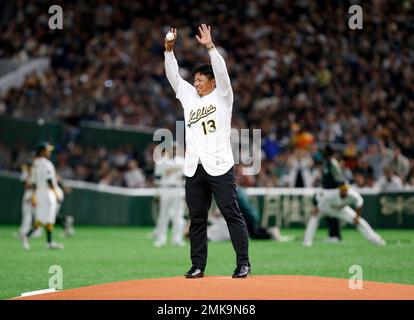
x=96, y=134
x=93, y=204
x=15, y=132
x=29, y=132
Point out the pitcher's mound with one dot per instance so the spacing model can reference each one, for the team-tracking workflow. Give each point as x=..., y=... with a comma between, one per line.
x=226, y=288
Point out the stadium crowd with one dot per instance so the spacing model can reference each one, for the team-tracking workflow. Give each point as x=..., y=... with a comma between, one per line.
x=296, y=62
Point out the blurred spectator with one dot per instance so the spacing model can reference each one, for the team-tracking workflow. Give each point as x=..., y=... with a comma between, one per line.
x=134, y=177
x=295, y=67
x=359, y=180
x=371, y=183
x=81, y=173
x=347, y=173
x=119, y=158
x=117, y=178
x=106, y=179
x=397, y=163
x=104, y=171
x=300, y=173
x=389, y=181
x=63, y=169
x=410, y=178
x=270, y=146
x=375, y=159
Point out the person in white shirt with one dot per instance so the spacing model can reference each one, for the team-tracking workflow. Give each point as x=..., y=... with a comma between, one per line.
x=46, y=195
x=300, y=173
x=389, y=181
x=209, y=162
x=338, y=203
x=134, y=177
x=169, y=177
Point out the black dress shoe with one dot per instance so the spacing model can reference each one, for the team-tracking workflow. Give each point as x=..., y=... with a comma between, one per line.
x=242, y=271
x=194, y=272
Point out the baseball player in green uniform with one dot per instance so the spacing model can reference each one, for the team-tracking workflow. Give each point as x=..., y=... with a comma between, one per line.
x=331, y=178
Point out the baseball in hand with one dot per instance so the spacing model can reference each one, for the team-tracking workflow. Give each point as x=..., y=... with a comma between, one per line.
x=170, y=36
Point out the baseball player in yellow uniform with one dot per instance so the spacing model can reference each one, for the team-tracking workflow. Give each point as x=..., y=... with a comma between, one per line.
x=45, y=195
x=339, y=203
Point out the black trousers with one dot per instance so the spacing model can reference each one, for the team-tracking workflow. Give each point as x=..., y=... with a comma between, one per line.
x=334, y=229
x=198, y=192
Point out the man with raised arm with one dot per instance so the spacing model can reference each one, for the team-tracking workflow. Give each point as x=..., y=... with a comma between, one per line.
x=209, y=163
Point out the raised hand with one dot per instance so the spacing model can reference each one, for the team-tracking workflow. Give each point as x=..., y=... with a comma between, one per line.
x=169, y=45
x=205, y=36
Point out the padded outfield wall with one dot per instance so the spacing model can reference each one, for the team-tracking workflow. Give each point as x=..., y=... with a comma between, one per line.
x=93, y=204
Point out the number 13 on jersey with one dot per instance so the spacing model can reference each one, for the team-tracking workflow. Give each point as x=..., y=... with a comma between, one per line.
x=209, y=126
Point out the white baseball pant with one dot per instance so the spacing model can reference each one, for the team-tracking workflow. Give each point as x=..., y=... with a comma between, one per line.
x=46, y=205
x=171, y=209
x=347, y=214
x=27, y=213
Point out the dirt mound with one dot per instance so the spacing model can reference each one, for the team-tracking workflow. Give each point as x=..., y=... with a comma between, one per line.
x=226, y=288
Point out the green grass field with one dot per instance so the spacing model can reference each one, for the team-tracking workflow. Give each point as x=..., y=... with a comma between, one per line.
x=105, y=254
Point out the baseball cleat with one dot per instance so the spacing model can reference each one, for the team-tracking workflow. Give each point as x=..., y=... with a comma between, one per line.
x=178, y=243
x=159, y=243
x=25, y=243
x=274, y=233
x=69, y=232
x=241, y=271
x=332, y=240
x=54, y=245
x=381, y=243
x=307, y=244
x=194, y=273
x=37, y=233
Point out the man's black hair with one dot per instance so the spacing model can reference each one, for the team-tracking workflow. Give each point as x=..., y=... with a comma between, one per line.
x=205, y=69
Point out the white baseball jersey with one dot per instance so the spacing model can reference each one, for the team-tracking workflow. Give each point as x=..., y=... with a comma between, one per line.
x=331, y=204
x=331, y=200
x=46, y=201
x=207, y=118
x=170, y=172
x=42, y=171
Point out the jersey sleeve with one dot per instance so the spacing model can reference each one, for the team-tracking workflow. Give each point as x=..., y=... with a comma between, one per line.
x=180, y=86
x=358, y=200
x=337, y=171
x=221, y=75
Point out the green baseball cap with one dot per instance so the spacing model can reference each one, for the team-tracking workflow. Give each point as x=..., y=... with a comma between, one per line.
x=42, y=145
